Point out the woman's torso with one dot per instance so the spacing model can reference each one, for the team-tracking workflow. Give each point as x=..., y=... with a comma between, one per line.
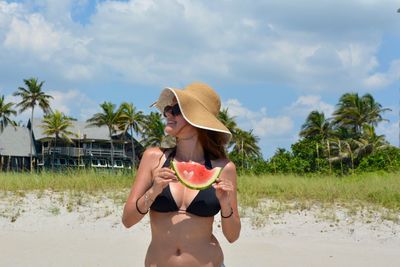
x=180, y=238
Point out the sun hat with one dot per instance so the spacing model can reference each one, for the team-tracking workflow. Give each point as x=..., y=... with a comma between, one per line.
x=199, y=105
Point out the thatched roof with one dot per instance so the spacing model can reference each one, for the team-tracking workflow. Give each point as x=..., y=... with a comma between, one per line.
x=15, y=142
x=78, y=127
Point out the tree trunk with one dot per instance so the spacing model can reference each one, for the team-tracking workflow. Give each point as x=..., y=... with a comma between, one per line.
x=31, y=142
x=42, y=156
x=54, y=153
x=242, y=155
x=317, y=156
x=8, y=163
x=340, y=156
x=112, y=149
x=133, y=150
x=329, y=157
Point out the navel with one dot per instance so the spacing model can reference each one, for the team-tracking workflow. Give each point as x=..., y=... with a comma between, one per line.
x=178, y=252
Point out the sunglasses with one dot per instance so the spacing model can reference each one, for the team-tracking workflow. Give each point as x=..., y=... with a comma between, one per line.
x=174, y=110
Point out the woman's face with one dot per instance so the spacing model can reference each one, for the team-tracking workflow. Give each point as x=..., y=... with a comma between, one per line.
x=177, y=125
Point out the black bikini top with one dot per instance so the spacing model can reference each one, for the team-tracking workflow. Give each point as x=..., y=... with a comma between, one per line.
x=205, y=203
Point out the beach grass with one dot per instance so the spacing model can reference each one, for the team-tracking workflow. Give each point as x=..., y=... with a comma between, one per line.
x=89, y=181
x=378, y=189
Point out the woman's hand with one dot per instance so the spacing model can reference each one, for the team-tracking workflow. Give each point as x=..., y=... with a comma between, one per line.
x=161, y=178
x=223, y=190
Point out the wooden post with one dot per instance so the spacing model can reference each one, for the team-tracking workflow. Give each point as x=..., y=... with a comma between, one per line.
x=42, y=156
x=8, y=163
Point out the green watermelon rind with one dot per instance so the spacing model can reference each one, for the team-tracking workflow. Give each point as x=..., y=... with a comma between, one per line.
x=191, y=186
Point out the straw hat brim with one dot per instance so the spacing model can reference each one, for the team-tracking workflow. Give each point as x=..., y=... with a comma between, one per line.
x=194, y=112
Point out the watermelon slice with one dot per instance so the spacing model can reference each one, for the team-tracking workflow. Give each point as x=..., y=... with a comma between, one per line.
x=195, y=175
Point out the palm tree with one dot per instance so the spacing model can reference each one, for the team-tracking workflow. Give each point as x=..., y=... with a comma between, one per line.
x=354, y=111
x=245, y=145
x=132, y=120
x=153, y=130
x=316, y=125
x=337, y=146
x=229, y=123
x=56, y=124
x=110, y=118
x=370, y=142
x=6, y=111
x=31, y=96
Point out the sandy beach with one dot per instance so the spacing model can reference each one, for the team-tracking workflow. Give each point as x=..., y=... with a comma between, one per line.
x=49, y=230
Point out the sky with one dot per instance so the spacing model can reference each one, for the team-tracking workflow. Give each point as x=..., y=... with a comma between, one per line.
x=272, y=62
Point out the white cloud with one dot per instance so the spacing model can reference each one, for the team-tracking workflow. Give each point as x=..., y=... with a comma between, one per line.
x=263, y=125
x=391, y=132
x=277, y=126
x=305, y=104
x=382, y=79
x=156, y=42
x=23, y=117
x=35, y=44
x=32, y=35
x=72, y=101
x=273, y=131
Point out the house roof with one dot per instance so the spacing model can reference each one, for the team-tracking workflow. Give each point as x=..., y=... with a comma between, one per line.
x=78, y=127
x=15, y=142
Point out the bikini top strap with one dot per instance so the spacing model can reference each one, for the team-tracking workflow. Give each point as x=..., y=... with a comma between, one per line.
x=207, y=161
x=170, y=157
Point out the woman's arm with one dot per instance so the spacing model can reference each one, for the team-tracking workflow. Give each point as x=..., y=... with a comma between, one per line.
x=226, y=191
x=149, y=183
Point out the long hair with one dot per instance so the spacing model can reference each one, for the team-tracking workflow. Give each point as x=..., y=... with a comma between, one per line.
x=213, y=143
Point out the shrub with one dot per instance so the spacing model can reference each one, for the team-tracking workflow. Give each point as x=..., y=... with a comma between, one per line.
x=387, y=159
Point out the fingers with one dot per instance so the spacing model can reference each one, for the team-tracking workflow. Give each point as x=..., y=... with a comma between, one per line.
x=165, y=173
x=164, y=176
x=224, y=185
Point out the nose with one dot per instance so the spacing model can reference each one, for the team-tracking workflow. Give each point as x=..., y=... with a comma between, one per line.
x=168, y=114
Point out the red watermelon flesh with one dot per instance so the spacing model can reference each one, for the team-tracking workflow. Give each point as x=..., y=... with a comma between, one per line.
x=195, y=175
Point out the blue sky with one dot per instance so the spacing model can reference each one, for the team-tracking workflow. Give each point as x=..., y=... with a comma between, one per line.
x=272, y=62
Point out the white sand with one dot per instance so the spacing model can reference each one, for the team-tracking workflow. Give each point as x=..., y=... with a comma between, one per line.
x=92, y=235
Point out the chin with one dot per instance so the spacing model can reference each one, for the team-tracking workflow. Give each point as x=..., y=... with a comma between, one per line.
x=169, y=131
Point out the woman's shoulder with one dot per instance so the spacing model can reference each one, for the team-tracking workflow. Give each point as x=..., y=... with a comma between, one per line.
x=155, y=153
x=228, y=168
x=152, y=152
x=224, y=163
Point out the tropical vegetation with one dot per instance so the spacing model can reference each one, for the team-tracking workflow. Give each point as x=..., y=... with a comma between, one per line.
x=6, y=111
x=109, y=117
x=344, y=143
x=56, y=124
x=31, y=96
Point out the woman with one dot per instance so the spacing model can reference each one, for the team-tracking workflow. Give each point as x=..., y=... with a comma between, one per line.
x=181, y=218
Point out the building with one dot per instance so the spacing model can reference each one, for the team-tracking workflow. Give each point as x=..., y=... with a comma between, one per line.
x=15, y=149
x=90, y=147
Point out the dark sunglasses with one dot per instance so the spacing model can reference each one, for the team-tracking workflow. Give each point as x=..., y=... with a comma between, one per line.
x=174, y=110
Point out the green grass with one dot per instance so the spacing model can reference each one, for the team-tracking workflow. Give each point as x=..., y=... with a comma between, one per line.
x=379, y=189
x=89, y=181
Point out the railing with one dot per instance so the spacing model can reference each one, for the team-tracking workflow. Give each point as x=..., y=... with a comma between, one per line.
x=78, y=152
x=101, y=152
x=70, y=151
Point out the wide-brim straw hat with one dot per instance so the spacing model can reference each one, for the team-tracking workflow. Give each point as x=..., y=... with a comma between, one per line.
x=199, y=105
